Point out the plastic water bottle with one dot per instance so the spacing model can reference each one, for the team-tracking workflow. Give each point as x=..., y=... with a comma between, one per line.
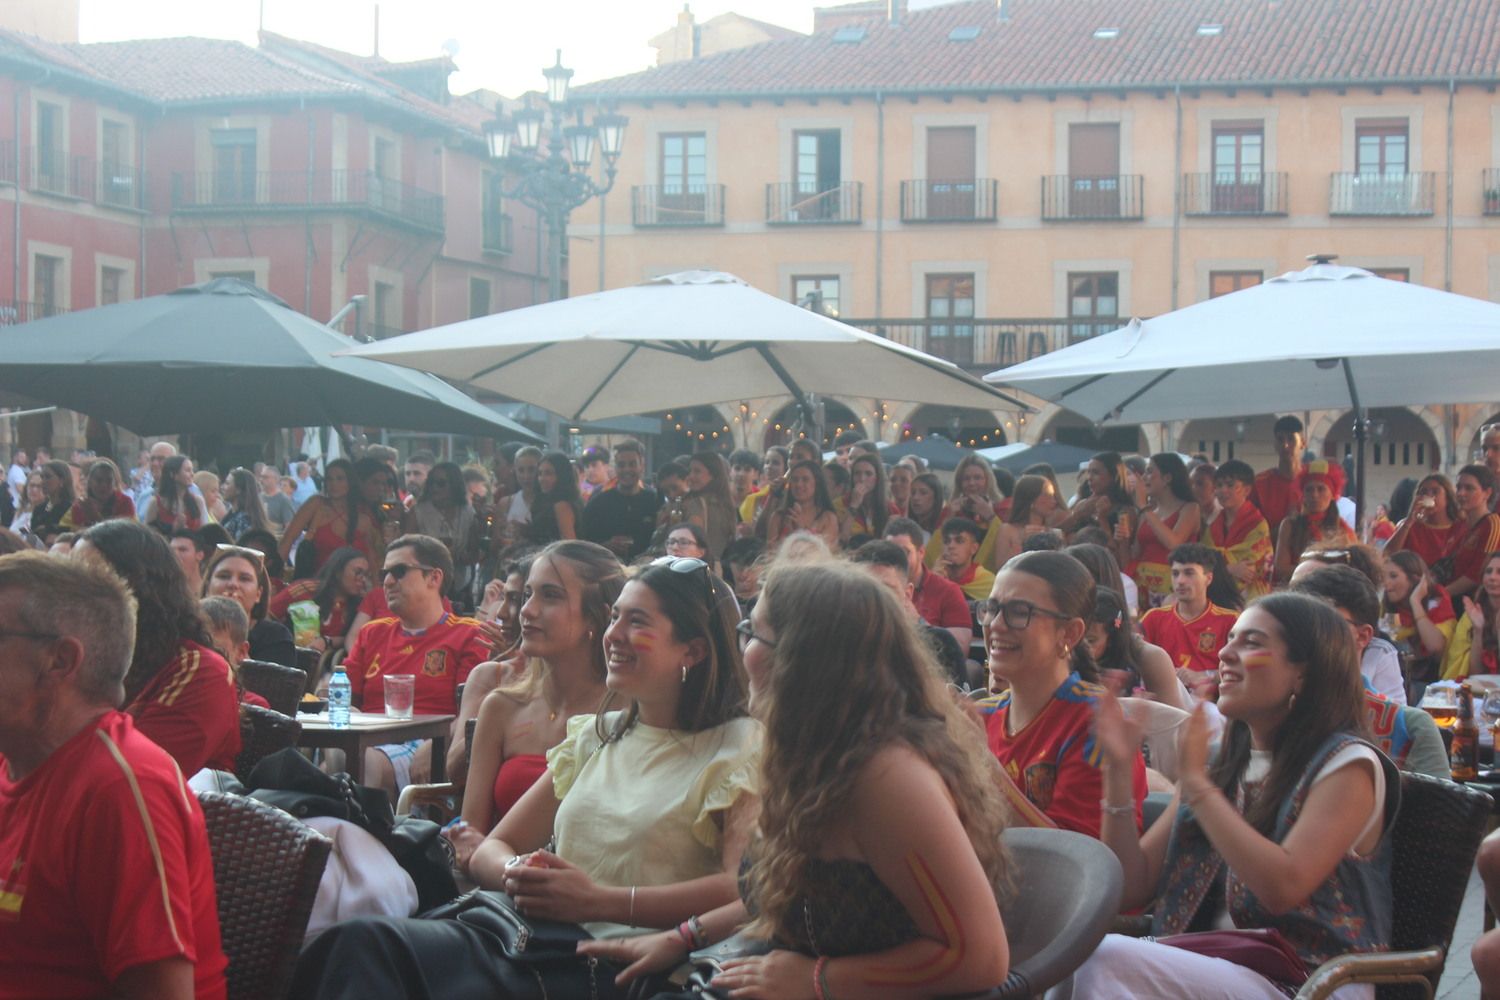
x=338, y=698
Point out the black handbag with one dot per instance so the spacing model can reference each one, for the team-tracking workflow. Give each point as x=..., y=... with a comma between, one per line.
x=522, y=939
x=693, y=980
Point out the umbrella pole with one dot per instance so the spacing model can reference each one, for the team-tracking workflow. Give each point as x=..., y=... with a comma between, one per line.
x=1361, y=424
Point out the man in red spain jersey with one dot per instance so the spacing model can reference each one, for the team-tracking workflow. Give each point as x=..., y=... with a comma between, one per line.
x=1193, y=629
x=1277, y=494
x=106, y=882
x=420, y=639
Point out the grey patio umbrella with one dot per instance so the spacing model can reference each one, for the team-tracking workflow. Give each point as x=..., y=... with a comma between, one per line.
x=223, y=356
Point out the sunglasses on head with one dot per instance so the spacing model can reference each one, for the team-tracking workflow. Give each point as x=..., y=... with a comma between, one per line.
x=687, y=564
x=254, y=555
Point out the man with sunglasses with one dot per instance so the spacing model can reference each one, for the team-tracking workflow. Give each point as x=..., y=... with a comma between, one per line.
x=420, y=639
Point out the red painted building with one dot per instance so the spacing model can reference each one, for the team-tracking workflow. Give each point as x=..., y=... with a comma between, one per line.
x=131, y=168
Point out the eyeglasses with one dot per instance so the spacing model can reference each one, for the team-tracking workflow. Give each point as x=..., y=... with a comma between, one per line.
x=254, y=555
x=400, y=570
x=681, y=543
x=746, y=632
x=1017, y=614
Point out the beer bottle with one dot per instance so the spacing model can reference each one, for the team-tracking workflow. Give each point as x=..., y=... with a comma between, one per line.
x=1464, y=754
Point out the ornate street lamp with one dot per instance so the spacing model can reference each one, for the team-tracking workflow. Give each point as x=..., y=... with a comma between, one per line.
x=555, y=180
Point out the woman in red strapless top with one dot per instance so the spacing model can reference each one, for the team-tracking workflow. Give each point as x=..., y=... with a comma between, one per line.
x=572, y=586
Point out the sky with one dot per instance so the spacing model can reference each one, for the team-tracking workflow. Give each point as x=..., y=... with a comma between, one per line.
x=502, y=44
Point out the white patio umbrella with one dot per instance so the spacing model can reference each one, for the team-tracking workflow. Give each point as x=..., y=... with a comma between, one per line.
x=687, y=339
x=1325, y=337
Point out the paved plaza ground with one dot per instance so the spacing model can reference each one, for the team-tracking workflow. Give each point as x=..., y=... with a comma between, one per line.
x=1459, y=982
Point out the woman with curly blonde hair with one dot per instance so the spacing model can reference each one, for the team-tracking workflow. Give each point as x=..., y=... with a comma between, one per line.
x=877, y=862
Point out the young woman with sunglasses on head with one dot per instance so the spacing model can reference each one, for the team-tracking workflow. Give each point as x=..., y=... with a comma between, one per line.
x=1041, y=729
x=240, y=573
x=565, y=605
x=1286, y=829
x=640, y=820
x=877, y=852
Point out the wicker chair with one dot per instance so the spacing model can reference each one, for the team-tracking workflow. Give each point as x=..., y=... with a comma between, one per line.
x=1052, y=933
x=266, y=872
x=1436, y=837
x=311, y=663
x=281, y=686
x=263, y=732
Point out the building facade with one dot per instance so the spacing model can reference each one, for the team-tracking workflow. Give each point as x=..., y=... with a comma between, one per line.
x=989, y=181
x=129, y=169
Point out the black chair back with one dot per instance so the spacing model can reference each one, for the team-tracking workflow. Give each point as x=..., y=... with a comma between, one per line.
x=267, y=866
x=281, y=686
x=1436, y=838
x=262, y=733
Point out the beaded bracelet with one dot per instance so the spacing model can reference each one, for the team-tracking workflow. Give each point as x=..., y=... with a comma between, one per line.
x=700, y=936
x=820, y=979
x=686, y=933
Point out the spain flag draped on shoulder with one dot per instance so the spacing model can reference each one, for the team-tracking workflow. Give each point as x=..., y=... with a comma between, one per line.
x=1245, y=540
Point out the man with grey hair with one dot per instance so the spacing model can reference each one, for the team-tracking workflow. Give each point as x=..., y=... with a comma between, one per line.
x=106, y=882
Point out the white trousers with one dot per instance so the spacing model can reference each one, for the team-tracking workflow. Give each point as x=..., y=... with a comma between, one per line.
x=1135, y=969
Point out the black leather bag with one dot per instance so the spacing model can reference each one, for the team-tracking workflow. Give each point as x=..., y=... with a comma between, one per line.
x=693, y=980
x=522, y=939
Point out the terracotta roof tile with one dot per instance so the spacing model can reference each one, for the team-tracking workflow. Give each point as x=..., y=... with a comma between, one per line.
x=195, y=69
x=1050, y=45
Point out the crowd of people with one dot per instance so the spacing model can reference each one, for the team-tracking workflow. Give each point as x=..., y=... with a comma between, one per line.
x=790, y=697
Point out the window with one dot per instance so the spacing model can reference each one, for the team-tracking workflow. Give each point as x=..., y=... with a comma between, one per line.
x=817, y=291
x=234, y=165
x=117, y=184
x=1239, y=158
x=46, y=285
x=246, y=276
x=950, y=313
x=1381, y=148
x=1391, y=273
x=1224, y=282
x=1094, y=170
x=496, y=224
x=1091, y=295
x=51, y=156
x=950, y=173
x=684, y=175
x=382, y=322
x=111, y=280
x=385, y=187
x=479, y=297
x=818, y=172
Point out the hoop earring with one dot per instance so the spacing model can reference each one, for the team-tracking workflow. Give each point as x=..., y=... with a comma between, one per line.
x=1291, y=701
x=684, y=673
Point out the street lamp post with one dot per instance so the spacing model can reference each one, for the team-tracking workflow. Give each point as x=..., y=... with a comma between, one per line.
x=558, y=182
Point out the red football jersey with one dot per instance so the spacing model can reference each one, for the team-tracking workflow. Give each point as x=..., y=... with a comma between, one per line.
x=439, y=657
x=1192, y=644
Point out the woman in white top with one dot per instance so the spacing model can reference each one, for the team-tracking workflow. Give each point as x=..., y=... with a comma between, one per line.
x=1287, y=829
x=641, y=824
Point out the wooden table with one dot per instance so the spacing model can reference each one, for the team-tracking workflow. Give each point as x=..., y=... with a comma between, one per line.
x=368, y=729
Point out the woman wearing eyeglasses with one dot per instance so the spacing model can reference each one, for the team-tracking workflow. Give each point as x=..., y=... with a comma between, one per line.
x=565, y=606
x=1041, y=729
x=57, y=485
x=240, y=573
x=178, y=689
x=877, y=854
x=639, y=821
x=340, y=585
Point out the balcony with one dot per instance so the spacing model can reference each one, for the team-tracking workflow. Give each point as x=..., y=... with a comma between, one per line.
x=274, y=191
x=654, y=206
x=1234, y=194
x=1492, y=191
x=1372, y=194
x=976, y=200
x=1075, y=197
x=13, y=313
x=987, y=344
x=50, y=172
x=499, y=233
x=794, y=205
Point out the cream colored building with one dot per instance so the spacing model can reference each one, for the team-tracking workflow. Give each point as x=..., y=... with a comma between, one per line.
x=988, y=181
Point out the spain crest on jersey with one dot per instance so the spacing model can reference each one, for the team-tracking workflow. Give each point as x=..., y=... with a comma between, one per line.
x=1207, y=642
x=1041, y=783
x=435, y=663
